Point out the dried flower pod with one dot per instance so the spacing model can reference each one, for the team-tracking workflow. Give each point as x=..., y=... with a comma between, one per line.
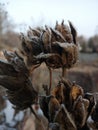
x=76, y=91
x=90, y=97
x=51, y=41
x=36, y=31
x=56, y=47
x=53, y=106
x=64, y=118
x=65, y=31
x=80, y=111
x=58, y=93
x=16, y=80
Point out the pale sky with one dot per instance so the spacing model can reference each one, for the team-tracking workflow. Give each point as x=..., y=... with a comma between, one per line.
x=82, y=13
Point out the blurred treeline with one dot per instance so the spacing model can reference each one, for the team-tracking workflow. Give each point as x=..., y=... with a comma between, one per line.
x=9, y=38
x=89, y=45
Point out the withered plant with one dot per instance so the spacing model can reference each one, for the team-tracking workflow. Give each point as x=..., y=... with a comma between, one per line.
x=66, y=106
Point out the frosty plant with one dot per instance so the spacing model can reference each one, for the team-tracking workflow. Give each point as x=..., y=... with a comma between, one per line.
x=57, y=48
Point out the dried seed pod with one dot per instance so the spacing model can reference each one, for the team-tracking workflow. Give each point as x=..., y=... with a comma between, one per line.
x=68, y=53
x=20, y=90
x=52, y=41
x=56, y=47
x=53, y=106
x=36, y=31
x=80, y=111
x=58, y=93
x=90, y=97
x=65, y=31
x=64, y=118
x=76, y=91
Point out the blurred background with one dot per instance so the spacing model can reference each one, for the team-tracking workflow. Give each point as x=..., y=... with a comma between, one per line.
x=17, y=16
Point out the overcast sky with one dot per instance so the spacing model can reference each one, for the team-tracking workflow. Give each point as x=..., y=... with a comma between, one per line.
x=82, y=13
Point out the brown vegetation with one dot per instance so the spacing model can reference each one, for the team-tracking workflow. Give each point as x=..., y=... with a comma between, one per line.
x=61, y=106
